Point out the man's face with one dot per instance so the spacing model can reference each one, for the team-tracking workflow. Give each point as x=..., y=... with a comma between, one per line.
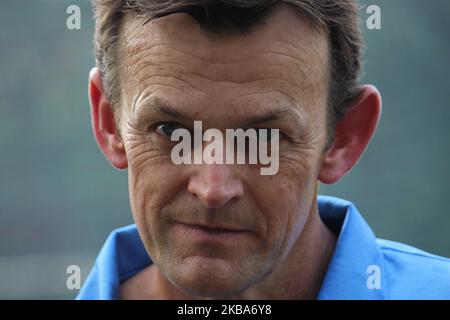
x=172, y=73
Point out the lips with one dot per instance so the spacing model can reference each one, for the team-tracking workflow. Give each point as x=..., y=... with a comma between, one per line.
x=212, y=229
x=200, y=232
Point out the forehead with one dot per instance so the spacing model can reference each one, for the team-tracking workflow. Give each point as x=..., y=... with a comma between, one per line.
x=284, y=57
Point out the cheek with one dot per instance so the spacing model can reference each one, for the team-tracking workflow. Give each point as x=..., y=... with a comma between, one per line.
x=286, y=201
x=152, y=180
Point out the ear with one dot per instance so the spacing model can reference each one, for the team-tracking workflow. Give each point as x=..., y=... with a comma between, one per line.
x=352, y=135
x=103, y=123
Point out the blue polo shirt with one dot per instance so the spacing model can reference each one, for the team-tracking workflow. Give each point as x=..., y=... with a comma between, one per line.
x=362, y=266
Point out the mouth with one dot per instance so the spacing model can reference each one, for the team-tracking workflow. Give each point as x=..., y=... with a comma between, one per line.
x=208, y=233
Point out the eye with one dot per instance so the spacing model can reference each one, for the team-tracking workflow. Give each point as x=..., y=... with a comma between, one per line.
x=167, y=128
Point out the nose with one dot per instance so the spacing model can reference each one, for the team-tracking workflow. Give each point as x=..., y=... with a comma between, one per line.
x=215, y=185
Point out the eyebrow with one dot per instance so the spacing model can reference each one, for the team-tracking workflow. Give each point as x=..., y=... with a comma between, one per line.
x=171, y=112
x=157, y=105
x=278, y=113
x=271, y=115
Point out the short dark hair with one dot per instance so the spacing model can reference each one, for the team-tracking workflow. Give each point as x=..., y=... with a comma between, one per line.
x=339, y=18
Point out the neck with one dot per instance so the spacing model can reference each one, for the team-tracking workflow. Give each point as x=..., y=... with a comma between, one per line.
x=307, y=262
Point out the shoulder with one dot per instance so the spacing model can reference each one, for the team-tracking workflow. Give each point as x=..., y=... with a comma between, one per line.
x=412, y=273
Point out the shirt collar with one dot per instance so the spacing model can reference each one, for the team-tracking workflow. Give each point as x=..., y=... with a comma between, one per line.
x=122, y=256
x=356, y=253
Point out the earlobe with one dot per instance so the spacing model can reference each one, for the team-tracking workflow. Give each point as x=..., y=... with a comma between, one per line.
x=352, y=135
x=103, y=123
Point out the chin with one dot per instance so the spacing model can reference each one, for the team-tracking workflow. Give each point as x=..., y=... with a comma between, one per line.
x=213, y=289
x=210, y=278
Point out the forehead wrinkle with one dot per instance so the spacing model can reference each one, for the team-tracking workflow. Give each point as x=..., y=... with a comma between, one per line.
x=145, y=71
x=163, y=30
x=280, y=73
x=139, y=101
x=229, y=74
x=139, y=53
x=308, y=66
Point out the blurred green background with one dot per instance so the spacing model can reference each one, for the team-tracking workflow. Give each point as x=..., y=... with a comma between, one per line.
x=59, y=197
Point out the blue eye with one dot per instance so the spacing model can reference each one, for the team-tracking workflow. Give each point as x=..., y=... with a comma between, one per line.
x=167, y=128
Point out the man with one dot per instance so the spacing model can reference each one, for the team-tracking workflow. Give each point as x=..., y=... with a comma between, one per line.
x=221, y=230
